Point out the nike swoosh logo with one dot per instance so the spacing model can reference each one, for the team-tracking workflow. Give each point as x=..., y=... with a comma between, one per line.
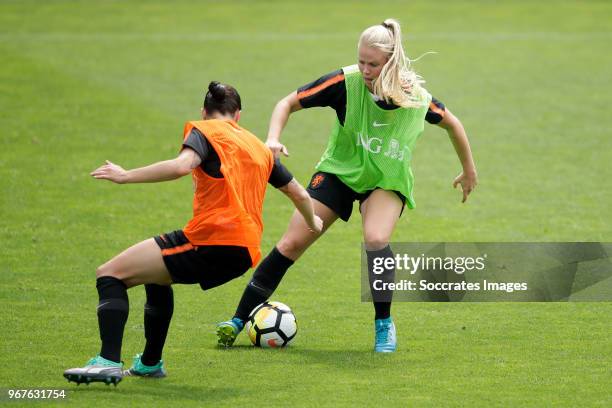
x=101, y=304
x=255, y=286
x=376, y=124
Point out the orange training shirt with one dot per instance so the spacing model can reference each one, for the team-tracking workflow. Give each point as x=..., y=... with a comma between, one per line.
x=228, y=210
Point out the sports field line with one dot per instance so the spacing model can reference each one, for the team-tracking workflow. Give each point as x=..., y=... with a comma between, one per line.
x=264, y=37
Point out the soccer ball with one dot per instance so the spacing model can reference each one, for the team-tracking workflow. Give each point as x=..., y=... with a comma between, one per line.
x=271, y=324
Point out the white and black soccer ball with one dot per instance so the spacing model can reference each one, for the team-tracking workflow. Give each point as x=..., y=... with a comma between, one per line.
x=271, y=324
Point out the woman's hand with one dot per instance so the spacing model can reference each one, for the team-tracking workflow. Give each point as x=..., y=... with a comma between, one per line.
x=110, y=171
x=280, y=115
x=277, y=148
x=468, y=181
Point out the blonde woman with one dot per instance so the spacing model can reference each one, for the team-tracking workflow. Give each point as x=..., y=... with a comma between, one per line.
x=381, y=108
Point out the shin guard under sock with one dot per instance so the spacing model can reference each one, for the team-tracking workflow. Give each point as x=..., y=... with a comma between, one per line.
x=113, y=309
x=157, y=315
x=265, y=280
x=381, y=298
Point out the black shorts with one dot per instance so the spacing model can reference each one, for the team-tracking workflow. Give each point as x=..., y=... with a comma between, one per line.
x=209, y=265
x=331, y=191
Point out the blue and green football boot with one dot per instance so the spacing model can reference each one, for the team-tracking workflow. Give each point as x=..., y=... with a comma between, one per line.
x=228, y=331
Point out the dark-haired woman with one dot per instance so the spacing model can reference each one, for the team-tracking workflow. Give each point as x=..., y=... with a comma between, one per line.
x=231, y=169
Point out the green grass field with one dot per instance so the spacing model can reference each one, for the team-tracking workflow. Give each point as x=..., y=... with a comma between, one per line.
x=81, y=82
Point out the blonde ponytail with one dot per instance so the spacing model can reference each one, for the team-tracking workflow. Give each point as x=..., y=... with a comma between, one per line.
x=397, y=82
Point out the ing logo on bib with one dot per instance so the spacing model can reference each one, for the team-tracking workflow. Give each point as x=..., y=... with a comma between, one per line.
x=375, y=145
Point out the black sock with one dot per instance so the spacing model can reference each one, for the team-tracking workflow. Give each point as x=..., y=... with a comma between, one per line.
x=157, y=315
x=381, y=299
x=265, y=280
x=113, y=309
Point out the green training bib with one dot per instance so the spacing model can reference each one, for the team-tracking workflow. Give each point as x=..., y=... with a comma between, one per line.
x=374, y=147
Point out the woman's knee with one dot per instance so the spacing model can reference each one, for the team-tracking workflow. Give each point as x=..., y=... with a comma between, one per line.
x=106, y=269
x=376, y=240
x=292, y=246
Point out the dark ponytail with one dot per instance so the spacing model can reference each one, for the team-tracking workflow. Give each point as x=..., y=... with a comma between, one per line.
x=222, y=98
